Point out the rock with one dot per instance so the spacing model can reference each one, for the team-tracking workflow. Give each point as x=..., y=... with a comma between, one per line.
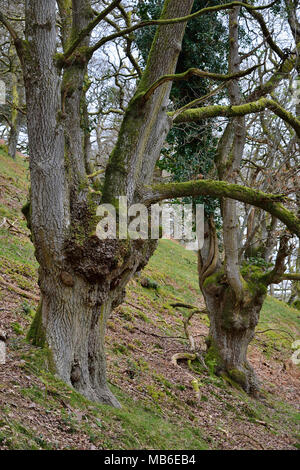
x=2, y=352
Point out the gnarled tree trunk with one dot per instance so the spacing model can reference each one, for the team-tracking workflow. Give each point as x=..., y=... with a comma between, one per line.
x=81, y=277
x=76, y=303
x=232, y=322
x=233, y=307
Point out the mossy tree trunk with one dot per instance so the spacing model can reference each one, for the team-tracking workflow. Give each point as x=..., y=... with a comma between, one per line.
x=232, y=320
x=294, y=299
x=234, y=309
x=81, y=277
x=234, y=292
x=71, y=323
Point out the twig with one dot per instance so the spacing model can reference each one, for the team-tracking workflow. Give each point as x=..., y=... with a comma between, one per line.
x=156, y=335
x=19, y=291
x=11, y=225
x=276, y=329
x=194, y=307
x=134, y=306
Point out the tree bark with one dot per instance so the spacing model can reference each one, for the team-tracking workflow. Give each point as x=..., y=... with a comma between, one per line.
x=14, y=125
x=71, y=323
x=81, y=277
x=228, y=340
x=232, y=324
x=13, y=140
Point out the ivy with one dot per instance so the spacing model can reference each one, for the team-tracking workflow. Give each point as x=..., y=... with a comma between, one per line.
x=190, y=150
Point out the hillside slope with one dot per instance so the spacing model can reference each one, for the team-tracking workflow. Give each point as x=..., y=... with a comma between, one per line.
x=161, y=409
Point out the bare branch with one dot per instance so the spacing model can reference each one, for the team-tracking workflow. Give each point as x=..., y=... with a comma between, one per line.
x=198, y=73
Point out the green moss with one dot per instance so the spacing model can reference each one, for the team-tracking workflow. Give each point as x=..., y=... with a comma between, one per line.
x=126, y=313
x=37, y=334
x=156, y=394
x=213, y=358
x=17, y=328
x=238, y=377
x=296, y=304
x=120, y=349
x=254, y=276
x=214, y=279
x=163, y=381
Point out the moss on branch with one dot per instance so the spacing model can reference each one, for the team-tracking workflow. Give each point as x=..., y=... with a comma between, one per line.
x=87, y=30
x=198, y=114
x=269, y=202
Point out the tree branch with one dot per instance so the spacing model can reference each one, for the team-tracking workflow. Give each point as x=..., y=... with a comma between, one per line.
x=198, y=114
x=17, y=41
x=258, y=16
x=275, y=276
x=290, y=277
x=183, y=19
x=268, y=202
x=9, y=27
x=86, y=31
x=284, y=69
x=198, y=73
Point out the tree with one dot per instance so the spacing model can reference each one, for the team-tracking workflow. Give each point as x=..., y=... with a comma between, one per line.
x=235, y=287
x=13, y=115
x=81, y=277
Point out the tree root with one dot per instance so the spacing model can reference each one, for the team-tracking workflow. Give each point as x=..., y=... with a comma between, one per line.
x=189, y=357
x=184, y=355
x=11, y=225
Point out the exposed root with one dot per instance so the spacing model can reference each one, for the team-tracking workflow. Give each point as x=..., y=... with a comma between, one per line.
x=184, y=355
x=189, y=357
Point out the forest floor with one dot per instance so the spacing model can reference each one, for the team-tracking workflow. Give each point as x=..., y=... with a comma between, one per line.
x=160, y=409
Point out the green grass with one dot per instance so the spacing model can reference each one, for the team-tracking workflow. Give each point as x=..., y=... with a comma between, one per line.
x=280, y=324
x=175, y=269
x=275, y=310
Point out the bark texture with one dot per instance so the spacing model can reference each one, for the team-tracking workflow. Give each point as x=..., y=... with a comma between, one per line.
x=232, y=323
x=82, y=279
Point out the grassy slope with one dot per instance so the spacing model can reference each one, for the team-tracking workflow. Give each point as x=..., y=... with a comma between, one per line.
x=160, y=410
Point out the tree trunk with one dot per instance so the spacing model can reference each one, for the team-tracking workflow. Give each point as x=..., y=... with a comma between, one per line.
x=81, y=277
x=71, y=323
x=230, y=333
x=233, y=304
x=13, y=140
x=232, y=321
x=76, y=303
x=14, y=118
